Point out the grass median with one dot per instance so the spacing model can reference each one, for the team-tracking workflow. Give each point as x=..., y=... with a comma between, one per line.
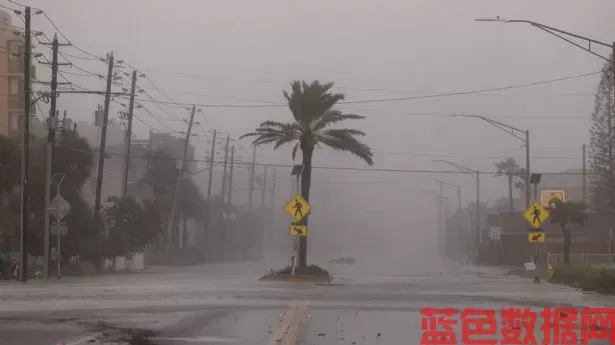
x=596, y=279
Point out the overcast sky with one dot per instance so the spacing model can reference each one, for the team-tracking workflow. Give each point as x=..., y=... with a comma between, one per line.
x=246, y=52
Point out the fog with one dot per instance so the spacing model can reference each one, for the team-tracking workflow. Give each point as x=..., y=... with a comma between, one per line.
x=245, y=52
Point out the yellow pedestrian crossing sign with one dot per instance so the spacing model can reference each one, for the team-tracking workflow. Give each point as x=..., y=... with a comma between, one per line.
x=298, y=230
x=536, y=214
x=298, y=207
x=536, y=236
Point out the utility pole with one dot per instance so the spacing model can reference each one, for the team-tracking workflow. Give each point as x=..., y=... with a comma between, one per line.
x=226, y=147
x=171, y=224
x=478, y=214
x=527, y=169
x=273, y=192
x=584, y=175
x=440, y=232
x=230, y=182
x=264, y=187
x=221, y=246
x=252, y=176
x=128, y=136
x=611, y=141
x=52, y=125
x=101, y=156
x=211, y=175
x=25, y=154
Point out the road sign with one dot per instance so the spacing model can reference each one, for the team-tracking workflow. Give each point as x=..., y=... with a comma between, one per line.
x=536, y=214
x=549, y=194
x=495, y=233
x=60, y=202
x=54, y=229
x=298, y=208
x=298, y=230
x=536, y=236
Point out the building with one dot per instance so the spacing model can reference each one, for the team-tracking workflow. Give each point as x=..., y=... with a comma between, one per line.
x=11, y=77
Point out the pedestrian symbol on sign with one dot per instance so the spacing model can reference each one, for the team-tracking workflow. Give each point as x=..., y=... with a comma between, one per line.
x=298, y=206
x=536, y=214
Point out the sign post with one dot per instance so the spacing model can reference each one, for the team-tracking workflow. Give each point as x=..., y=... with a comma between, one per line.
x=536, y=215
x=58, y=208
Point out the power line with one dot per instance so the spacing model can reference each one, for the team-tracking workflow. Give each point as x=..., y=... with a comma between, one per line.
x=68, y=41
x=382, y=100
x=321, y=167
x=447, y=94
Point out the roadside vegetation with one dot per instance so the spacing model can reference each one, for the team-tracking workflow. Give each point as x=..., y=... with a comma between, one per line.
x=586, y=278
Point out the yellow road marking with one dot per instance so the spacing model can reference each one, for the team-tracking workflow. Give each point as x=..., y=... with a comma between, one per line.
x=291, y=324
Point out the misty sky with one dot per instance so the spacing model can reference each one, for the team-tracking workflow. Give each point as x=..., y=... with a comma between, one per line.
x=246, y=52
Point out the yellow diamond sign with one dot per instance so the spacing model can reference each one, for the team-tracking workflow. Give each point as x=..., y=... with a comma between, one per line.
x=298, y=208
x=536, y=214
x=298, y=230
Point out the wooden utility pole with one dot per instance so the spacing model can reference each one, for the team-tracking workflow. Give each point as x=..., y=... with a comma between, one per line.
x=584, y=175
x=226, y=147
x=209, y=181
x=273, y=194
x=128, y=135
x=252, y=177
x=25, y=154
x=221, y=245
x=180, y=173
x=52, y=126
x=229, y=205
x=264, y=188
x=101, y=157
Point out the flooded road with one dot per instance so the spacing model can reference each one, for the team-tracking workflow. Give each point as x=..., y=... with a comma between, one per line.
x=210, y=306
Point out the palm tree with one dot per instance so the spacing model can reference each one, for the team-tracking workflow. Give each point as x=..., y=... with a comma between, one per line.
x=311, y=105
x=509, y=168
x=565, y=213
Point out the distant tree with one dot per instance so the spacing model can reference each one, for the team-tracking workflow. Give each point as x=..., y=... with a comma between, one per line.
x=601, y=143
x=129, y=227
x=564, y=214
x=509, y=168
x=73, y=157
x=311, y=105
x=161, y=178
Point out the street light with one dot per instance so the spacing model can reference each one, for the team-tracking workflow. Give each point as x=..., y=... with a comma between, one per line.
x=559, y=33
x=526, y=141
x=466, y=169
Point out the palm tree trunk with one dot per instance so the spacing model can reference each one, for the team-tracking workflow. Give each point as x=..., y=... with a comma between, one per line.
x=510, y=193
x=567, y=242
x=306, y=181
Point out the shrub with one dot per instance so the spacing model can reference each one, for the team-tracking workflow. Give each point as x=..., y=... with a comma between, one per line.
x=80, y=268
x=586, y=278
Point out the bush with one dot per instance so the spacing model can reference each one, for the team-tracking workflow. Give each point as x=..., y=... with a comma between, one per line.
x=187, y=257
x=586, y=278
x=311, y=270
x=80, y=268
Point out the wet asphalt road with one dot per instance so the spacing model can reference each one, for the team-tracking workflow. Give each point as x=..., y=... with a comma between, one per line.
x=227, y=304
